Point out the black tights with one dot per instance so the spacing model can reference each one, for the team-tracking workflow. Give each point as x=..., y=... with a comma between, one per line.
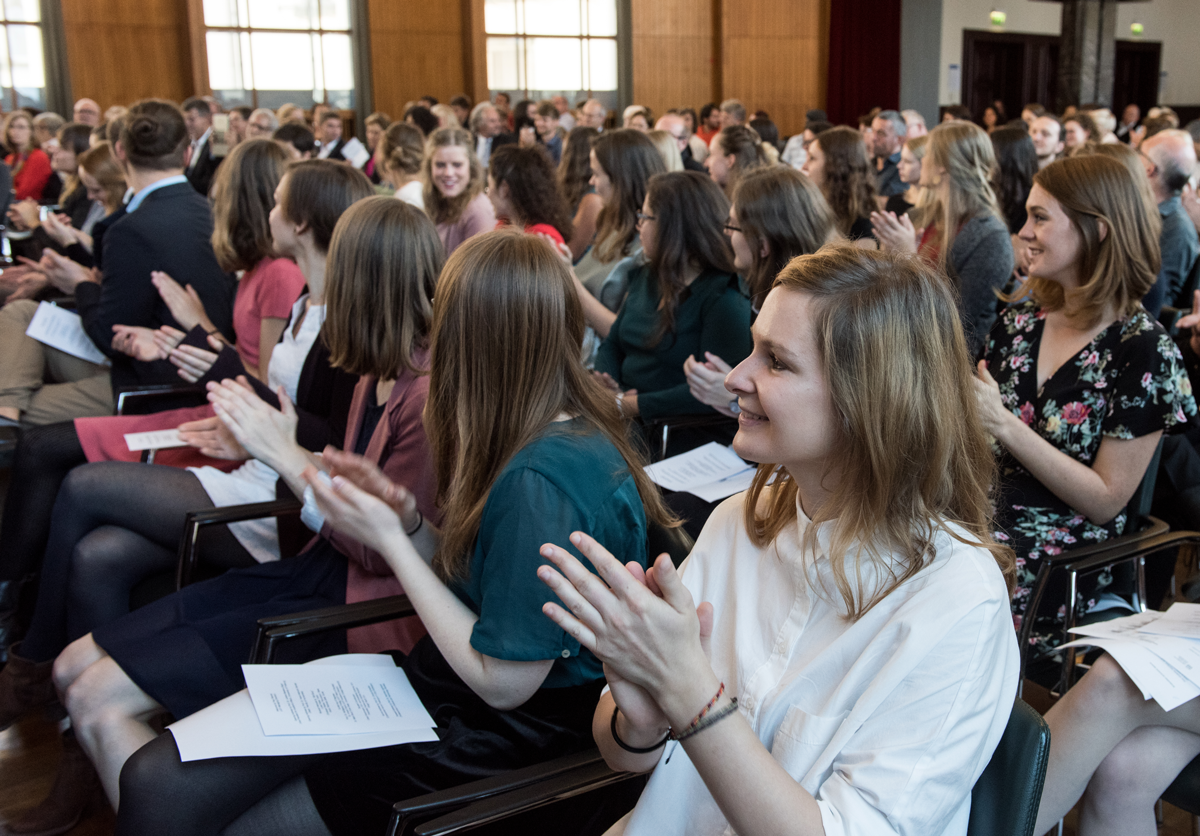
x=44, y=457
x=229, y=796
x=114, y=525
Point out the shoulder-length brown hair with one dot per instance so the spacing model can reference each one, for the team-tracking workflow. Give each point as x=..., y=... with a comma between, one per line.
x=504, y=364
x=442, y=210
x=100, y=163
x=849, y=181
x=1097, y=191
x=574, y=169
x=243, y=194
x=317, y=192
x=629, y=159
x=532, y=190
x=782, y=208
x=690, y=211
x=381, y=274
x=913, y=454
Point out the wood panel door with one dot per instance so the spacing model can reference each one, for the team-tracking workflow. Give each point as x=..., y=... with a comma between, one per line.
x=1135, y=76
x=1015, y=67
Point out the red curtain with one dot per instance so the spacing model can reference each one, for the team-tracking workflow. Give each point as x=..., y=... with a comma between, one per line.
x=864, y=58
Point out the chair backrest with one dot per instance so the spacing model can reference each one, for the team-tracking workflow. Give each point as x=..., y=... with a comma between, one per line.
x=1005, y=799
x=1138, y=508
x=674, y=541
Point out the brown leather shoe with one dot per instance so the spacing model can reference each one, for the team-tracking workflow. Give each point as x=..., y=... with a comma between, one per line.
x=24, y=686
x=75, y=787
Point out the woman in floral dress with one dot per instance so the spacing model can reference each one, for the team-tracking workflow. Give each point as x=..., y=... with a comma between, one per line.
x=1078, y=382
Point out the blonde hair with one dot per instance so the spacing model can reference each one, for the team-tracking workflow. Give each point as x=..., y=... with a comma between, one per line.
x=922, y=210
x=100, y=162
x=913, y=452
x=1096, y=191
x=447, y=118
x=504, y=363
x=667, y=148
x=966, y=153
x=449, y=210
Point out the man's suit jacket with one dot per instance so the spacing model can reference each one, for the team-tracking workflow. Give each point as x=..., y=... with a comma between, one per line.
x=171, y=232
x=201, y=174
x=498, y=140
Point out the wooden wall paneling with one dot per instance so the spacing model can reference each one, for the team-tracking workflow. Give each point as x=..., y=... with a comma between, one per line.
x=673, y=53
x=416, y=49
x=120, y=51
x=775, y=56
x=199, y=47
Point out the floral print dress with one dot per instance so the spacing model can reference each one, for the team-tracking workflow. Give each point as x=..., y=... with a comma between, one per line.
x=1128, y=382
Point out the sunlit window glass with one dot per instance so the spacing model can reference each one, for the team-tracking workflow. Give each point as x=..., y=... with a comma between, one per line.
x=22, y=68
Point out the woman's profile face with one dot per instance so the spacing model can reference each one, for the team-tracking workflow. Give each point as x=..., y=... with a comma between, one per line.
x=743, y=252
x=374, y=134
x=94, y=190
x=784, y=377
x=499, y=198
x=814, y=166
x=717, y=162
x=283, y=231
x=600, y=180
x=451, y=171
x=648, y=229
x=910, y=167
x=1053, y=244
x=64, y=160
x=1073, y=134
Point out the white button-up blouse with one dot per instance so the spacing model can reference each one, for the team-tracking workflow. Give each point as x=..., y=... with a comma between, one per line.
x=888, y=720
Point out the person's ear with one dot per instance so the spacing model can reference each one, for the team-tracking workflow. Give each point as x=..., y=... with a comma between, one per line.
x=764, y=249
x=1102, y=229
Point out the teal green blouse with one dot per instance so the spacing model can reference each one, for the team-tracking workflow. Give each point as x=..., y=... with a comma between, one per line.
x=712, y=315
x=570, y=478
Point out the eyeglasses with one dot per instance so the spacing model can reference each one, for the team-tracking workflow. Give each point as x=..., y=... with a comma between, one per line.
x=642, y=216
x=731, y=228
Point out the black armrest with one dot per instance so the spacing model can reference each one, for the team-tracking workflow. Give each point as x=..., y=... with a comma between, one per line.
x=195, y=520
x=137, y=400
x=272, y=631
x=1121, y=545
x=565, y=784
x=666, y=423
x=1140, y=547
x=405, y=814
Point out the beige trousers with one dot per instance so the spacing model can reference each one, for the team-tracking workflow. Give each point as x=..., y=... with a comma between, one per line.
x=45, y=384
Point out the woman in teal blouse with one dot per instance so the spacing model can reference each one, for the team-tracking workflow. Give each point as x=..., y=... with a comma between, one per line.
x=527, y=448
x=684, y=302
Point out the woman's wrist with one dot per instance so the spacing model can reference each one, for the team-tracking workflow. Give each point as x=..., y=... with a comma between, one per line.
x=634, y=736
x=686, y=695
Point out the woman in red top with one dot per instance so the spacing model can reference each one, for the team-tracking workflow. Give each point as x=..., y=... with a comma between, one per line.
x=522, y=187
x=29, y=163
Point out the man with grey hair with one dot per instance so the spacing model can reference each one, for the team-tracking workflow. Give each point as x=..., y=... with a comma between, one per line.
x=733, y=112
x=262, y=123
x=1169, y=158
x=673, y=124
x=592, y=115
x=87, y=112
x=915, y=123
x=888, y=132
x=488, y=131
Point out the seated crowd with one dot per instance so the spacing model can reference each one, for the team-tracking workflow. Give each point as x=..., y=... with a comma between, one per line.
x=455, y=344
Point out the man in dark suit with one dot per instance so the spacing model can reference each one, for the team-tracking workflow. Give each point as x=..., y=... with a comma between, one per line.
x=488, y=131
x=334, y=146
x=202, y=165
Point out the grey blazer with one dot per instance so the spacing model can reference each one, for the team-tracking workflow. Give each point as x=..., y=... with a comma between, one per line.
x=981, y=261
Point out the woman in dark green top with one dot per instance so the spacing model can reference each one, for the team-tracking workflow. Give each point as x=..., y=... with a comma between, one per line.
x=528, y=448
x=684, y=302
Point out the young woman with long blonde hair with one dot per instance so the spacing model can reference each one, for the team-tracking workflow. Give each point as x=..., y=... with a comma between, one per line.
x=454, y=182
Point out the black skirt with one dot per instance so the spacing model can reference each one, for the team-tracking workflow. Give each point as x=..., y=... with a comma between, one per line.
x=187, y=650
x=355, y=791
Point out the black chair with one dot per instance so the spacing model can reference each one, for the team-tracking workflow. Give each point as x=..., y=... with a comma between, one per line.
x=657, y=431
x=1004, y=801
x=1184, y=792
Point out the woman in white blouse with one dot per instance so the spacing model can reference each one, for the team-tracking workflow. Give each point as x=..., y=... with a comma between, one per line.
x=857, y=608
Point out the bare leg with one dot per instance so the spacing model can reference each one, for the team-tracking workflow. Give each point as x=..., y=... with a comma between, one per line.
x=1120, y=797
x=1088, y=723
x=110, y=715
x=80, y=655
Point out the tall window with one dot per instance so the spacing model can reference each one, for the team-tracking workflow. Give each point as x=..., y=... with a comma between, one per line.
x=22, y=69
x=265, y=53
x=543, y=48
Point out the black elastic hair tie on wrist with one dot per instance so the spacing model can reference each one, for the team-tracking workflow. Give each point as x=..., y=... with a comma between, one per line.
x=637, y=750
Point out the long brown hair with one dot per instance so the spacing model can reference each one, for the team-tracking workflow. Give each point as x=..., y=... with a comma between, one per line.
x=629, y=159
x=781, y=207
x=532, y=190
x=965, y=151
x=504, y=364
x=382, y=269
x=574, y=169
x=445, y=210
x=243, y=193
x=913, y=453
x=1096, y=190
x=848, y=183
x=690, y=211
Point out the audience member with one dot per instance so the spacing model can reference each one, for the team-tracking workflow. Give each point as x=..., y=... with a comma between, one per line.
x=524, y=194
x=863, y=547
x=1166, y=113
x=668, y=148
x=296, y=140
x=684, y=302
x=776, y=215
x=487, y=128
x=261, y=124
x=172, y=235
x=1016, y=163
x=675, y=125
x=71, y=141
x=201, y=165
x=454, y=184
x=838, y=165
x=1078, y=129
x=888, y=132
x=733, y=114
x=1047, y=135
x=1031, y=112
x=86, y=112
x=427, y=101
x=733, y=152
x=318, y=118
x=994, y=117
x=461, y=106
x=423, y=118
x=515, y=689
x=446, y=117
x=28, y=162
x=1106, y=124
x=291, y=113
x=592, y=115
x=956, y=113
x=1078, y=383
x=565, y=120
x=915, y=123
x=401, y=153
x=916, y=196
x=239, y=120
x=45, y=130
x=865, y=120
x=334, y=146
x=710, y=122
x=699, y=148
x=376, y=124
x=549, y=133
x=1169, y=158
x=636, y=117
x=574, y=178
x=769, y=131
x=965, y=235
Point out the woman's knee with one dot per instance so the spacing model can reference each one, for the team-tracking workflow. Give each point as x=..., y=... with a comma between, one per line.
x=74, y=660
x=1107, y=688
x=100, y=694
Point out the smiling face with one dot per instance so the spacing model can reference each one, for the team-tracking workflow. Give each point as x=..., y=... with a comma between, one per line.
x=94, y=190
x=910, y=167
x=1053, y=243
x=782, y=378
x=600, y=180
x=451, y=171
x=1045, y=135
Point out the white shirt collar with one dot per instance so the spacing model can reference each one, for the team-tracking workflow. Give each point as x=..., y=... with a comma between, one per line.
x=137, y=199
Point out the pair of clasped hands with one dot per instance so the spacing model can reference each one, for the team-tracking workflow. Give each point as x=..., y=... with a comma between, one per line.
x=642, y=624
